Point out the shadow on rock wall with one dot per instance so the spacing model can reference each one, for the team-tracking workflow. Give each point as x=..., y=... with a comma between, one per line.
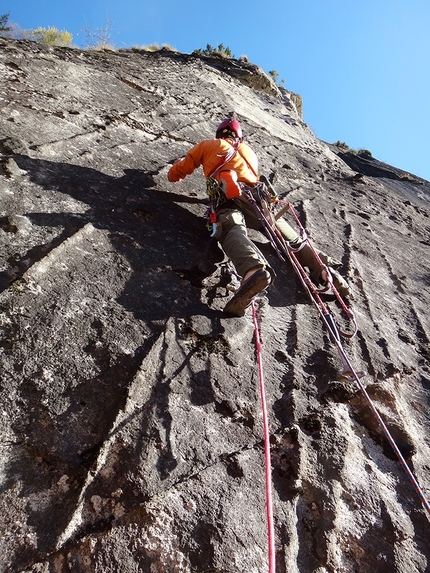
x=167, y=253
x=165, y=244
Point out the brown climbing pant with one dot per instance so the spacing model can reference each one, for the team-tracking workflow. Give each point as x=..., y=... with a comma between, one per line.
x=233, y=220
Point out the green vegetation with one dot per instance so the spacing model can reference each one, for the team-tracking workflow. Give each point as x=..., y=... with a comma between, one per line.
x=221, y=51
x=364, y=152
x=4, y=20
x=341, y=145
x=51, y=36
x=274, y=75
x=345, y=147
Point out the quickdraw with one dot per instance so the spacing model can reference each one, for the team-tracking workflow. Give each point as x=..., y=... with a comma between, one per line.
x=216, y=198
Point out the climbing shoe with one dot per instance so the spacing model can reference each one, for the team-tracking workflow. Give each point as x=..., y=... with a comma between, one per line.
x=340, y=284
x=256, y=283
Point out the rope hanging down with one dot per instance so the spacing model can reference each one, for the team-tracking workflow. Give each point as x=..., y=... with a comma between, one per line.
x=269, y=506
x=286, y=252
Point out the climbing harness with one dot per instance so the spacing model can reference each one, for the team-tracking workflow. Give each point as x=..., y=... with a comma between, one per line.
x=286, y=252
x=269, y=507
x=214, y=190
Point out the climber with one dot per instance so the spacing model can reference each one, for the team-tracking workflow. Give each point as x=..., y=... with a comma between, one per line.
x=232, y=164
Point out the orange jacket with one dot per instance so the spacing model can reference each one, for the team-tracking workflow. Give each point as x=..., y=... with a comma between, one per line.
x=209, y=154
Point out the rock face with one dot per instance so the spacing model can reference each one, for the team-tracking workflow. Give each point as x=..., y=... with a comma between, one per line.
x=131, y=435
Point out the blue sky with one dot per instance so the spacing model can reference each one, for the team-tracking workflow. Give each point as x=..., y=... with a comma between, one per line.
x=362, y=68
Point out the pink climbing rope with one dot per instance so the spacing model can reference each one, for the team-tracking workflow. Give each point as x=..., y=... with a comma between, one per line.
x=281, y=247
x=269, y=506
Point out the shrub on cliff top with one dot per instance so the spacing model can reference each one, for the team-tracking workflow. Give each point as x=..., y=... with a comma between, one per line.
x=4, y=20
x=223, y=52
x=51, y=36
x=345, y=148
x=149, y=48
x=274, y=75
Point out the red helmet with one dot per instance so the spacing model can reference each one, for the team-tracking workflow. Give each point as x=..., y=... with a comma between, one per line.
x=229, y=127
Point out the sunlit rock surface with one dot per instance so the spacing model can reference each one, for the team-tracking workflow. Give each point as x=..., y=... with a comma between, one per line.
x=131, y=434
